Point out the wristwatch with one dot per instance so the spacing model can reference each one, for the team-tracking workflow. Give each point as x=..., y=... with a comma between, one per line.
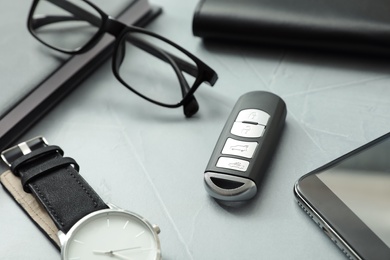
x=88, y=227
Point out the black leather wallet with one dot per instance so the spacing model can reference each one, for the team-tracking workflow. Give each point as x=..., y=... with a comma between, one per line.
x=352, y=25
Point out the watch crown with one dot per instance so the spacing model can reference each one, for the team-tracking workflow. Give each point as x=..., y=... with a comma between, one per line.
x=157, y=229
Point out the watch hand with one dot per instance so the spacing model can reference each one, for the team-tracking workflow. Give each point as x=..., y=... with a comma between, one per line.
x=135, y=249
x=110, y=252
x=113, y=252
x=124, y=249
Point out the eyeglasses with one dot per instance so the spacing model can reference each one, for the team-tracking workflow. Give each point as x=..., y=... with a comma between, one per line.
x=76, y=26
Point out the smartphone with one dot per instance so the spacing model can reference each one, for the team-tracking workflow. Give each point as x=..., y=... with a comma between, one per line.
x=349, y=199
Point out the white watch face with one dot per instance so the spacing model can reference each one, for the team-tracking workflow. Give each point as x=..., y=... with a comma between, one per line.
x=112, y=234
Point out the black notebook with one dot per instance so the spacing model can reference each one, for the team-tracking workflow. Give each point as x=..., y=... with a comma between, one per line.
x=352, y=25
x=32, y=80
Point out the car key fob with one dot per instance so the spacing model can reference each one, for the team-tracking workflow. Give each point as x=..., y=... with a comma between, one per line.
x=245, y=146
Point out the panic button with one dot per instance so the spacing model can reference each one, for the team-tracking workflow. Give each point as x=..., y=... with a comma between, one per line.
x=233, y=164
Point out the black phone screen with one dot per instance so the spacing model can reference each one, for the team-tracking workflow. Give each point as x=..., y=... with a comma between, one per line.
x=362, y=182
x=351, y=197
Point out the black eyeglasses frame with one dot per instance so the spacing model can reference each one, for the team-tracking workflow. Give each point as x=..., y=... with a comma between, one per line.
x=201, y=72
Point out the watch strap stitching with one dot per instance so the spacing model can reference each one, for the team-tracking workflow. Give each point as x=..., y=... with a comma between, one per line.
x=85, y=189
x=48, y=205
x=71, y=171
x=47, y=168
x=49, y=188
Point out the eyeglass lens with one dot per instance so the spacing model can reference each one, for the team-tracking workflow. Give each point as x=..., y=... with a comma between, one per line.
x=61, y=29
x=158, y=66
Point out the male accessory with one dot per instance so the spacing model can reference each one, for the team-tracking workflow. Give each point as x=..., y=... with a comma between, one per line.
x=87, y=226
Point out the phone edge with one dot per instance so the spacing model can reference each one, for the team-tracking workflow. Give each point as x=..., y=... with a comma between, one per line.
x=323, y=225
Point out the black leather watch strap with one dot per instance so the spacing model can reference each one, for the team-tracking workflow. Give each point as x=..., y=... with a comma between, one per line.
x=55, y=182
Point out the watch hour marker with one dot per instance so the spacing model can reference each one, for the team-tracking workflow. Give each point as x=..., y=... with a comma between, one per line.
x=140, y=234
x=78, y=241
x=108, y=222
x=127, y=222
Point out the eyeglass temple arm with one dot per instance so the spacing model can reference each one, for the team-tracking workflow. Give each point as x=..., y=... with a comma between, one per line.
x=164, y=55
x=183, y=65
x=191, y=106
